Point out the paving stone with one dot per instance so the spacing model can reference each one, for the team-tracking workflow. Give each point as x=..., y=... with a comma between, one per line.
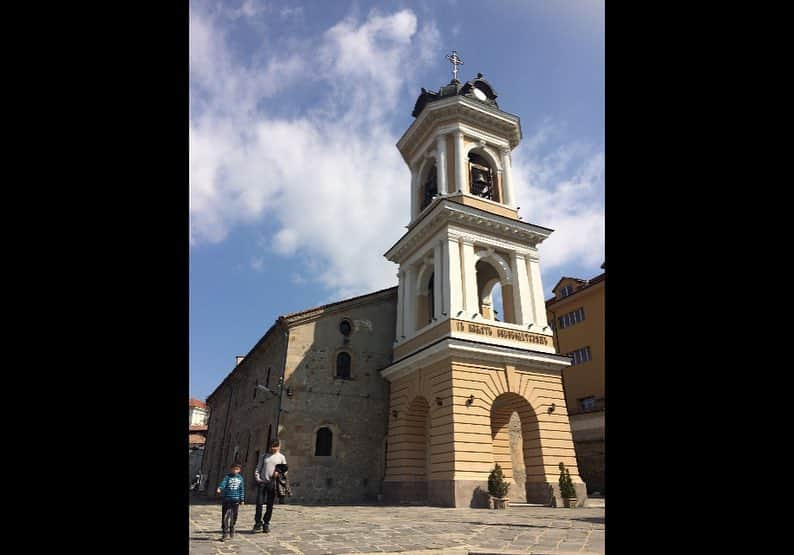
x=314, y=530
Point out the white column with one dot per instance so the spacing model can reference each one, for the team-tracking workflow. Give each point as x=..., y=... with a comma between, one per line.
x=471, y=303
x=536, y=287
x=400, y=296
x=438, y=281
x=522, y=296
x=409, y=302
x=453, y=296
x=441, y=163
x=414, y=194
x=460, y=163
x=507, y=179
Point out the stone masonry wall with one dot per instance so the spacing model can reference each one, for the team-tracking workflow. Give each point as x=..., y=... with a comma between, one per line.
x=355, y=409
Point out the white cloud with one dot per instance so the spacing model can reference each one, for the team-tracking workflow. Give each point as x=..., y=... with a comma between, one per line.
x=331, y=178
x=291, y=12
x=561, y=186
x=285, y=241
x=249, y=8
x=257, y=263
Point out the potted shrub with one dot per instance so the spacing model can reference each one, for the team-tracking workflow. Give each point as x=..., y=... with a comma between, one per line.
x=567, y=491
x=497, y=487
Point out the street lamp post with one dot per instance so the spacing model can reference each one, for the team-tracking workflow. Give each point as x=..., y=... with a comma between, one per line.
x=280, y=392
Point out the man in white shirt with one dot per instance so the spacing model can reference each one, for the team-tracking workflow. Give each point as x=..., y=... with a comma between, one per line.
x=265, y=476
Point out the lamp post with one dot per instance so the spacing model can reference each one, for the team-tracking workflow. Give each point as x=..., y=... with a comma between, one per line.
x=280, y=392
x=279, y=410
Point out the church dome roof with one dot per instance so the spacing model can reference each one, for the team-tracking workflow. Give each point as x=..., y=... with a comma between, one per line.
x=476, y=89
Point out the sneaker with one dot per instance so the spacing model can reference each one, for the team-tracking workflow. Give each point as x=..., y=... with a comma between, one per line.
x=223, y=537
x=231, y=532
x=266, y=528
x=257, y=527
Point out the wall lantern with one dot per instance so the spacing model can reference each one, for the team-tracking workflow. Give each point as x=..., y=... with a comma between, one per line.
x=394, y=413
x=470, y=400
x=439, y=402
x=552, y=407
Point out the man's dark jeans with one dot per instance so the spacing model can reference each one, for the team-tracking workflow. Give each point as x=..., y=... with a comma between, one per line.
x=265, y=494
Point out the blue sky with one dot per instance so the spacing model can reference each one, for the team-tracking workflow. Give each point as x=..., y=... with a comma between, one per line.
x=296, y=185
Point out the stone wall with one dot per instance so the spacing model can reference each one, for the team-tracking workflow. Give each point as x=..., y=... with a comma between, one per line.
x=588, y=437
x=239, y=420
x=355, y=409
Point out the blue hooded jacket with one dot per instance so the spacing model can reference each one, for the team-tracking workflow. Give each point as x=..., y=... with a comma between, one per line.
x=233, y=487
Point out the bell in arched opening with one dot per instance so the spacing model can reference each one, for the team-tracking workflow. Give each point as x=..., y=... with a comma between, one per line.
x=430, y=187
x=482, y=177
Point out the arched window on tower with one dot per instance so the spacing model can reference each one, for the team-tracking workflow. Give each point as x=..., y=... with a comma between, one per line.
x=322, y=447
x=429, y=187
x=495, y=295
x=343, y=365
x=425, y=298
x=482, y=178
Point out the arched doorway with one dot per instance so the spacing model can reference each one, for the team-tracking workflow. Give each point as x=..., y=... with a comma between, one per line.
x=514, y=428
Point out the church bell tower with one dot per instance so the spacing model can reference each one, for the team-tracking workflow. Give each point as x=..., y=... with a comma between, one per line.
x=471, y=386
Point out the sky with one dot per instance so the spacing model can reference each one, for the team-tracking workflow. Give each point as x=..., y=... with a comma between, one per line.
x=296, y=185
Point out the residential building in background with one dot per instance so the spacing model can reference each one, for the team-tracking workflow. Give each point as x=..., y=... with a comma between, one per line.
x=576, y=312
x=197, y=434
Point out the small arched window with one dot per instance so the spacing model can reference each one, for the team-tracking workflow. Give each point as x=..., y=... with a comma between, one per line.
x=343, y=365
x=322, y=447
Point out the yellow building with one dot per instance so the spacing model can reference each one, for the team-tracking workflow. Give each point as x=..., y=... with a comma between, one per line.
x=576, y=313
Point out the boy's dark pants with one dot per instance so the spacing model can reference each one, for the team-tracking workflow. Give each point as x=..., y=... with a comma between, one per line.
x=266, y=494
x=232, y=506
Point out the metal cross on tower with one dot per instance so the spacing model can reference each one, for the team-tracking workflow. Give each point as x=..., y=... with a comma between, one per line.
x=455, y=63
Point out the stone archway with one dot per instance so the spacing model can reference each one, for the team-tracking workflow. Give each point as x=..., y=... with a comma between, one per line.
x=514, y=435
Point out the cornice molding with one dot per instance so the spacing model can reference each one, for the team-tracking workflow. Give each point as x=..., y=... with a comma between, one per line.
x=500, y=123
x=498, y=230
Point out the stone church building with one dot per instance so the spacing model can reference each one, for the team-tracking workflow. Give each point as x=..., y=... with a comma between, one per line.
x=412, y=394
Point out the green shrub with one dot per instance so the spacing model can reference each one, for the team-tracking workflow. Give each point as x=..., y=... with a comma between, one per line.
x=567, y=490
x=496, y=483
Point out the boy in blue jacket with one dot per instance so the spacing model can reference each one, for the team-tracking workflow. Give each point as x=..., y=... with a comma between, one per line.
x=233, y=488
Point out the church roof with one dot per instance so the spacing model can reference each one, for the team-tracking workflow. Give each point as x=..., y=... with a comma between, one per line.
x=196, y=439
x=454, y=88
x=324, y=307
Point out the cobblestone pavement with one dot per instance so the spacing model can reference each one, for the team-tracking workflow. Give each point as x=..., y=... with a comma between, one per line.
x=312, y=530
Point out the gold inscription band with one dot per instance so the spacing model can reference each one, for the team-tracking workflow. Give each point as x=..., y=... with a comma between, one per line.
x=482, y=329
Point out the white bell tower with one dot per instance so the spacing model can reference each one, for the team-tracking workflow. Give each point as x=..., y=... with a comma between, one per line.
x=464, y=234
x=461, y=371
